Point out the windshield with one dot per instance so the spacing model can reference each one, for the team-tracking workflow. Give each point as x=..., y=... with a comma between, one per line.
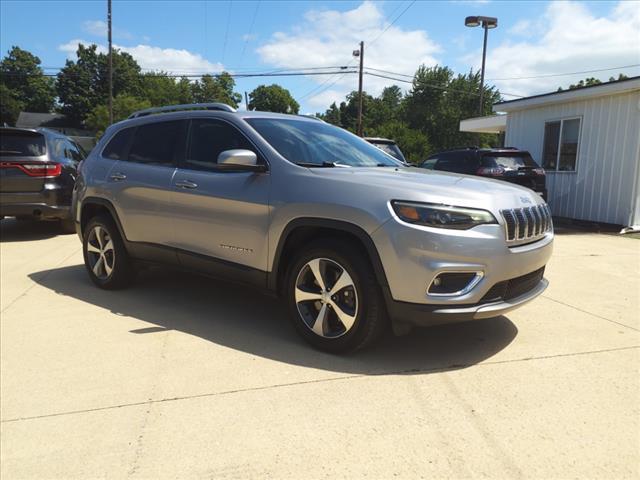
x=392, y=149
x=509, y=162
x=23, y=144
x=313, y=143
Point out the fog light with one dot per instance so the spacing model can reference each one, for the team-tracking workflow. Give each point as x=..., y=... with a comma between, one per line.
x=454, y=283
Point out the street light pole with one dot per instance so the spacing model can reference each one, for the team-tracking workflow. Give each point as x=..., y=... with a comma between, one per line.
x=484, y=57
x=360, y=89
x=486, y=23
x=110, y=63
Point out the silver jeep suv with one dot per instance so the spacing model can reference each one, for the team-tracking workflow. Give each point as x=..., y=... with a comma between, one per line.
x=350, y=238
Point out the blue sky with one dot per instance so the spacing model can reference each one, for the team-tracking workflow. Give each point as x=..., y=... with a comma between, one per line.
x=533, y=38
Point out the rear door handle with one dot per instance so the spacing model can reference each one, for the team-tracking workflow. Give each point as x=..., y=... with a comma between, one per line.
x=186, y=184
x=117, y=177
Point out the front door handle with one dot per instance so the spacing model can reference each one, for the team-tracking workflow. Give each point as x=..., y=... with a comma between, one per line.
x=186, y=184
x=117, y=177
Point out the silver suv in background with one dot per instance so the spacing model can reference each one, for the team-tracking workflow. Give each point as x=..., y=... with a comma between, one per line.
x=347, y=236
x=387, y=146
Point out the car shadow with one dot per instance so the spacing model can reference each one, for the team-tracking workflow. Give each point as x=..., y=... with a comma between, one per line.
x=12, y=230
x=246, y=320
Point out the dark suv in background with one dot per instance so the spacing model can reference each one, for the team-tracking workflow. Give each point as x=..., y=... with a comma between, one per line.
x=38, y=171
x=508, y=164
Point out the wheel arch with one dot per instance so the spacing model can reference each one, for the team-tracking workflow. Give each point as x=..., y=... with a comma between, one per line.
x=92, y=206
x=301, y=230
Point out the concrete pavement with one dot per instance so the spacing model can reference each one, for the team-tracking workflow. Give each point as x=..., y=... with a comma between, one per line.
x=184, y=377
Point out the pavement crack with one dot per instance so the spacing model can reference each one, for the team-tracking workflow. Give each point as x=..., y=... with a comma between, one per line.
x=309, y=382
x=589, y=313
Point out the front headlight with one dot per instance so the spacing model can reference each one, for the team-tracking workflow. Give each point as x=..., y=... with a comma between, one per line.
x=441, y=216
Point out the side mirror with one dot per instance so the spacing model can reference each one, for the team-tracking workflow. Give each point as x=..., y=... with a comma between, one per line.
x=240, y=161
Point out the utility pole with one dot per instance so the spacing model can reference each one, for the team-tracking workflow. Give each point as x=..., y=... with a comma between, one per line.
x=246, y=100
x=110, y=64
x=360, y=89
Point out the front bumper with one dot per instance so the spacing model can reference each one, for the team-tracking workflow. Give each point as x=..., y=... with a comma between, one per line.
x=416, y=314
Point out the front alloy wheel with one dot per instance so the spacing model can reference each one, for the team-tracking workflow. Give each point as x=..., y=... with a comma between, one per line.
x=326, y=298
x=333, y=298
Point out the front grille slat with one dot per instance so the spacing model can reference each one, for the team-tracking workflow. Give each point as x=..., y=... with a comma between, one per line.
x=527, y=223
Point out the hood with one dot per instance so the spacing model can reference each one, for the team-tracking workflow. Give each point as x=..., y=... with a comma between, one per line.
x=421, y=185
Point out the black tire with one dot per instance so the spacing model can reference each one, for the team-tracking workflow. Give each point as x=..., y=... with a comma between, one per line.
x=67, y=225
x=370, y=315
x=122, y=272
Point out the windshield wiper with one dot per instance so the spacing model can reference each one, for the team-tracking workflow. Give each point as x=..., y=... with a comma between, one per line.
x=317, y=165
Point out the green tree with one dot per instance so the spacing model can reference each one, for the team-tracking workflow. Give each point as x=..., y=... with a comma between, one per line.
x=10, y=105
x=216, y=89
x=24, y=86
x=84, y=83
x=413, y=143
x=332, y=115
x=160, y=89
x=438, y=100
x=588, y=82
x=123, y=106
x=273, y=98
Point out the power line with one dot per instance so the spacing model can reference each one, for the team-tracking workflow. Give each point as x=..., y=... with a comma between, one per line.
x=317, y=90
x=438, y=87
x=391, y=24
x=226, y=32
x=179, y=72
x=524, y=78
x=247, y=38
x=567, y=74
x=233, y=75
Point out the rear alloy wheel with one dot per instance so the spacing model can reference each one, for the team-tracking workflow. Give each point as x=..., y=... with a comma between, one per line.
x=105, y=257
x=333, y=298
x=100, y=252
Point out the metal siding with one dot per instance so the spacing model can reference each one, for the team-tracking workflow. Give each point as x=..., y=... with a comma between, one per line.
x=602, y=189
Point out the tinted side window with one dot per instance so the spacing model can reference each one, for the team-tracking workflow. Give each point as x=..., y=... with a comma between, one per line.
x=157, y=143
x=447, y=163
x=71, y=151
x=209, y=138
x=430, y=163
x=458, y=164
x=117, y=147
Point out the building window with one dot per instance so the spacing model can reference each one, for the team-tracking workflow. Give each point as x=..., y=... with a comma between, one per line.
x=560, y=149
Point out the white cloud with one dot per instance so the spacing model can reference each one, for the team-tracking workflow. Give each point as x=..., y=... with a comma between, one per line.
x=328, y=37
x=249, y=36
x=95, y=27
x=98, y=28
x=521, y=27
x=71, y=47
x=170, y=60
x=569, y=38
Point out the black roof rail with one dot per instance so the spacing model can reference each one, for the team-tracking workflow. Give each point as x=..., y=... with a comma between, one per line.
x=178, y=108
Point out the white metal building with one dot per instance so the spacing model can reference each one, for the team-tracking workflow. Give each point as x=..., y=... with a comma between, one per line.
x=588, y=141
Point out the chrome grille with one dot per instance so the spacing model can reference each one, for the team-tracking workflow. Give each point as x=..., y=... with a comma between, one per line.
x=527, y=223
